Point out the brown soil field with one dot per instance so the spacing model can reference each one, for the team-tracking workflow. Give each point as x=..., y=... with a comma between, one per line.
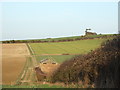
x=14, y=50
x=13, y=61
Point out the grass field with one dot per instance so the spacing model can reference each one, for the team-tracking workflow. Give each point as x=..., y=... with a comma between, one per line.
x=33, y=86
x=57, y=58
x=72, y=47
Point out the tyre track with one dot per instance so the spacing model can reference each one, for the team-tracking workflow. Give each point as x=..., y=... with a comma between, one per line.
x=29, y=75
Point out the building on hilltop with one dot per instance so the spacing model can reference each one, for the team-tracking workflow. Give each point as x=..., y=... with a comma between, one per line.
x=89, y=33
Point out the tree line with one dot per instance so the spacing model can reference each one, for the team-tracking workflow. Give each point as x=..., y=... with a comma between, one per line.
x=58, y=40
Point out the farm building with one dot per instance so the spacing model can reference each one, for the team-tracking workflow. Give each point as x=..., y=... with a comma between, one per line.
x=48, y=65
x=89, y=33
x=48, y=60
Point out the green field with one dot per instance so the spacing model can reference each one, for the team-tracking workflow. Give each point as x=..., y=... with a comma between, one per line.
x=57, y=58
x=32, y=86
x=71, y=47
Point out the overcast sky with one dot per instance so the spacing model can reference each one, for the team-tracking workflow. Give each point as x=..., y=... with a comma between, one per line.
x=34, y=20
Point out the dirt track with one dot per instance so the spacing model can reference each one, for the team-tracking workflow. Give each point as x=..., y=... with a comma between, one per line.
x=13, y=60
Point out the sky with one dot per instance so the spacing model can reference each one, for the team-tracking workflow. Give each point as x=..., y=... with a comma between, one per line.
x=36, y=20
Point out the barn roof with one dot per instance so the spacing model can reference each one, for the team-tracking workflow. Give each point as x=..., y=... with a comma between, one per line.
x=48, y=60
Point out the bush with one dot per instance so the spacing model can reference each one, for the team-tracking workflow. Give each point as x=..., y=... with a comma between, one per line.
x=100, y=67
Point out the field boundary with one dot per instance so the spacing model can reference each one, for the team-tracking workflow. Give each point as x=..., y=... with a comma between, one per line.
x=54, y=54
x=62, y=39
x=33, y=65
x=27, y=71
x=30, y=49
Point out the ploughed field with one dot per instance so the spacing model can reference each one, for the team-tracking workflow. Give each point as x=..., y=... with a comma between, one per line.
x=13, y=61
x=71, y=47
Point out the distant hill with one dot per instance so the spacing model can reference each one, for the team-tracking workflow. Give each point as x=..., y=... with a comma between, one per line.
x=63, y=39
x=99, y=68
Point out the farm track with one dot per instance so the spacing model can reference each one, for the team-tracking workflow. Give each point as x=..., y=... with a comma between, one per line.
x=30, y=75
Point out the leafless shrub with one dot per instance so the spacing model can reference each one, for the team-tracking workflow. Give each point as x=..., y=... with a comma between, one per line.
x=100, y=68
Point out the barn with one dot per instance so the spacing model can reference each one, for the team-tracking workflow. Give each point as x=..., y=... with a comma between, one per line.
x=48, y=65
x=90, y=33
x=48, y=60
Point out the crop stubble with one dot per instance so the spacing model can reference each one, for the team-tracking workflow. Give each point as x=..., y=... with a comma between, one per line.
x=13, y=60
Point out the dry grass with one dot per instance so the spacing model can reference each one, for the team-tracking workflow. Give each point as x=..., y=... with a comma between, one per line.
x=49, y=68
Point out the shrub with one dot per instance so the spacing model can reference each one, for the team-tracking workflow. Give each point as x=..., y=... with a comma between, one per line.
x=100, y=67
